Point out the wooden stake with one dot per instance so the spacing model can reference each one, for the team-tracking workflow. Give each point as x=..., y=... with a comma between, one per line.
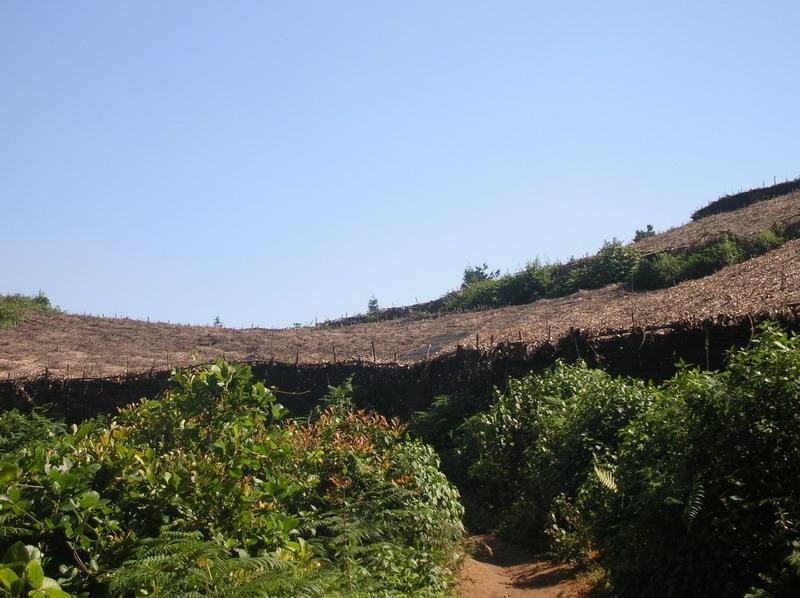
x=374, y=359
x=334, y=352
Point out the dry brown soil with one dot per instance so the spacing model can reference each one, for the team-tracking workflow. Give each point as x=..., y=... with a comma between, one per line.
x=744, y=223
x=498, y=570
x=76, y=346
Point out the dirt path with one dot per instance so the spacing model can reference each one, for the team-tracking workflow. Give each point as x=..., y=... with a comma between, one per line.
x=501, y=570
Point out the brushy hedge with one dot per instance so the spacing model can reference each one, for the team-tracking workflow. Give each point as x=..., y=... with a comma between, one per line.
x=15, y=308
x=614, y=263
x=689, y=488
x=211, y=490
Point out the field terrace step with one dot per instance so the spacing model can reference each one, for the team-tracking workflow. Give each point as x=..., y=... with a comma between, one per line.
x=70, y=346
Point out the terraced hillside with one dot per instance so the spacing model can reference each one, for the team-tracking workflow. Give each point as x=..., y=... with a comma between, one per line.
x=745, y=223
x=76, y=346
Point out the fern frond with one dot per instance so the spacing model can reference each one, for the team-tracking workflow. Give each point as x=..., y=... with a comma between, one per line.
x=606, y=478
x=694, y=503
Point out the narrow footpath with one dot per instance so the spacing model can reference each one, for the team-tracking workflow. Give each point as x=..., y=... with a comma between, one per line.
x=497, y=569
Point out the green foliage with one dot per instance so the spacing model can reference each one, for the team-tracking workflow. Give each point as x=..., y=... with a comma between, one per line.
x=475, y=274
x=210, y=490
x=20, y=430
x=539, y=440
x=660, y=271
x=688, y=488
x=667, y=269
x=643, y=234
x=709, y=502
x=21, y=574
x=615, y=262
x=15, y=308
x=373, y=310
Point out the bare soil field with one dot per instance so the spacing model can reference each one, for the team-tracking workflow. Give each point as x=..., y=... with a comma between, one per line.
x=81, y=346
x=744, y=223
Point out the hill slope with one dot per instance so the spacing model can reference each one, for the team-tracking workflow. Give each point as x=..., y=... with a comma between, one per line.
x=745, y=223
x=76, y=346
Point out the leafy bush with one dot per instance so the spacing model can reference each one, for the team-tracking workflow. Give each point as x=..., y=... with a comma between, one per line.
x=688, y=488
x=20, y=430
x=21, y=574
x=473, y=274
x=615, y=262
x=15, y=308
x=539, y=440
x=211, y=489
x=644, y=234
x=708, y=500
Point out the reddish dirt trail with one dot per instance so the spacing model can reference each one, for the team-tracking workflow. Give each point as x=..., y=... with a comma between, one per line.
x=500, y=570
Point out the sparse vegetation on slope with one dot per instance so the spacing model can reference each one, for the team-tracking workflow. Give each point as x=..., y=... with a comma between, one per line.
x=736, y=201
x=75, y=345
x=755, y=229
x=616, y=262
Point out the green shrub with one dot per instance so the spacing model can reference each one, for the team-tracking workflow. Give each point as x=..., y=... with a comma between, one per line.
x=658, y=272
x=211, y=489
x=20, y=430
x=686, y=489
x=15, y=308
x=767, y=240
x=538, y=440
x=708, y=497
x=615, y=262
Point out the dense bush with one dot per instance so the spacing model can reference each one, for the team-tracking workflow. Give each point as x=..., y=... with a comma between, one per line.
x=615, y=262
x=538, y=441
x=15, y=308
x=686, y=489
x=708, y=500
x=211, y=490
x=667, y=269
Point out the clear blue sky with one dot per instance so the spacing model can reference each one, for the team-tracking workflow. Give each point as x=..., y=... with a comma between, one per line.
x=271, y=162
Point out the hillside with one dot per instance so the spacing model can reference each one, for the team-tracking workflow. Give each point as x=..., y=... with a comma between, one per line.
x=736, y=201
x=77, y=346
x=746, y=223
x=770, y=217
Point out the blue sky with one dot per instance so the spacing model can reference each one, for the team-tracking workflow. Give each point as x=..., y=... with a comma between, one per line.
x=269, y=163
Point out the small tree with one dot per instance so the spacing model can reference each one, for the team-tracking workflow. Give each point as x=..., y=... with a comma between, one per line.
x=473, y=274
x=643, y=234
x=373, y=310
x=41, y=299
